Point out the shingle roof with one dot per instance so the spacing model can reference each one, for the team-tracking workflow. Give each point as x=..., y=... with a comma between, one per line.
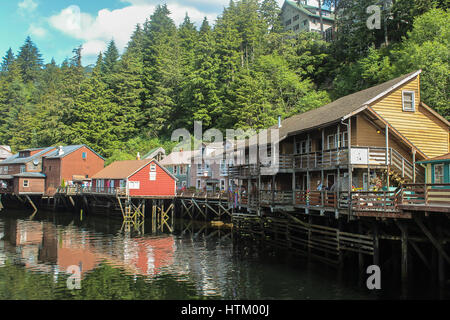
x=339, y=109
x=16, y=160
x=121, y=169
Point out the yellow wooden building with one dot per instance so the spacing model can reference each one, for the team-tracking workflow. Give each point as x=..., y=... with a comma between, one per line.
x=366, y=141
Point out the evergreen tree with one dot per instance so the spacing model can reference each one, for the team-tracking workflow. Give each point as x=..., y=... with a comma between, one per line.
x=8, y=59
x=110, y=59
x=29, y=60
x=162, y=71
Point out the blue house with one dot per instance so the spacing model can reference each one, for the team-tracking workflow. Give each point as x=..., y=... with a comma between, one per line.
x=437, y=169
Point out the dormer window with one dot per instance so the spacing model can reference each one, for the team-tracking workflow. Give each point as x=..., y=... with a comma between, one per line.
x=408, y=101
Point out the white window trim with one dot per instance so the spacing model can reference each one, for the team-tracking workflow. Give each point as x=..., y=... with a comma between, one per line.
x=27, y=183
x=413, y=101
x=443, y=174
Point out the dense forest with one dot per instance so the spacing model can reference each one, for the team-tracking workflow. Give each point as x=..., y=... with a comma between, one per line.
x=240, y=71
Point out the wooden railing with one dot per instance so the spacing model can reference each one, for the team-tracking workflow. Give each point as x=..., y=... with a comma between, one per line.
x=269, y=197
x=78, y=190
x=321, y=159
x=385, y=201
x=426, y=194
x=324, y=198
x=222, y=195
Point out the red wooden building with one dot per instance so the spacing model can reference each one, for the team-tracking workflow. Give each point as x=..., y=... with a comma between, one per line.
x=136, y=178
x=70, y=165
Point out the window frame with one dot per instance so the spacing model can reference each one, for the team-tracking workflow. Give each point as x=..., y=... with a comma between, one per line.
x=27, y=183
x=413, y=98
x=441, y=165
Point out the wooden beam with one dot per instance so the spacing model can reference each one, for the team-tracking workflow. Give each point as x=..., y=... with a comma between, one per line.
x=433, y=240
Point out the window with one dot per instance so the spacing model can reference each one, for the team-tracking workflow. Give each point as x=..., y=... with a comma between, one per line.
x=26, y=183
x=296, y=17
x=288, y=22
x=181, y=169
x=134, y=185
x=84, y=155
x=22, y=169
x=331, y=141
x=199, y=184
x=153, y=167
x=408, y=101
x=296, y=27
x=302, y=147
x=305, y=22
x=438, y=173
x=344, y=140
x=175, y=169
x=222, y=184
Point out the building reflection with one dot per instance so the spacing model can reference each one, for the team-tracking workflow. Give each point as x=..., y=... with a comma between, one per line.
x=44, y=247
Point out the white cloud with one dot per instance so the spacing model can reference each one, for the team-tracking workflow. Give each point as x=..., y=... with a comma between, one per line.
x=37, y=31
x=117, y=24
x=27, y=6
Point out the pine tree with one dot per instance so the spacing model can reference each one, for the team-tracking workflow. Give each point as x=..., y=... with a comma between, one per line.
x=30, y=61
x=110, y=58
x=8, y=59
x=200, y=95
x=162, y=71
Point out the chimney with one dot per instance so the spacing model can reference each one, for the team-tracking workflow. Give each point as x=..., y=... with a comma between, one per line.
x=279, y=122
x=60, y=151
x=138, y=156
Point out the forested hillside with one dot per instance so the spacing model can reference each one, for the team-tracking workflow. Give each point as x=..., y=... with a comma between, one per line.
x=240, y=71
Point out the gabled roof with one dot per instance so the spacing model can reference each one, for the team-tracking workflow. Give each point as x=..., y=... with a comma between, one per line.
x=68, y=150
x=125, y=169
x=342, y=108
x=304, y=9
x=5, y=152
x=152, y=153
x=16, y=160
x=443, y=158
x=121, y=169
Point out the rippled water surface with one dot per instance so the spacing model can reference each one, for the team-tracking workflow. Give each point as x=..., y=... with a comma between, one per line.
x=196, y=261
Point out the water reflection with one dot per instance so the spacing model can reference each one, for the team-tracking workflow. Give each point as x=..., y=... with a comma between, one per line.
x=197, y=261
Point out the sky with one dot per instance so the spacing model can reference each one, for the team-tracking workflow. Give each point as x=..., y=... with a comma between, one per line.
x=59, y=26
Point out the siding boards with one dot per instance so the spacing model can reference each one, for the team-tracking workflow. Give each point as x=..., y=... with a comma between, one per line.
x=423, y=129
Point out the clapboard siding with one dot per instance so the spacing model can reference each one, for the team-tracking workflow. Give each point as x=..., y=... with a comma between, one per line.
x=422, y=128
x=367, y=136
x=164, y=185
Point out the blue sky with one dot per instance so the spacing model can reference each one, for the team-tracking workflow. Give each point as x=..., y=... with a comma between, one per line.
x=58, y=26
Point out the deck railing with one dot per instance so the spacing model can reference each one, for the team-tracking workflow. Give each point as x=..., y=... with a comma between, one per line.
x=377, y=156
x=79, y=190
x=321, y=159
x=269, y=197
x=385, y=201
x=426, y=194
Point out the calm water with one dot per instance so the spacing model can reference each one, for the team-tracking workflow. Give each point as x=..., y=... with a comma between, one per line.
x=198, y=261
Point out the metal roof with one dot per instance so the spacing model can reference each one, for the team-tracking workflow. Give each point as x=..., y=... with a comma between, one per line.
x=29, y=175
x=68, y=150
x=16, y=160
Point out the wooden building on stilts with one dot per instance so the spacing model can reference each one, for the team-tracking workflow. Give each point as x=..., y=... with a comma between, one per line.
x=349, y=177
